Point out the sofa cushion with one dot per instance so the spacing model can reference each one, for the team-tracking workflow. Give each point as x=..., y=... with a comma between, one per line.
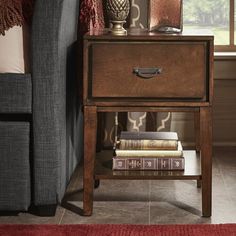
x=14, y=168
x=15, y=93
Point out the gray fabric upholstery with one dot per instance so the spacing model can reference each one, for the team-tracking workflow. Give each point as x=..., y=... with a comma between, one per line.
x=54, y=124
x=14, y=166
x=15, y=93
x=46, y=134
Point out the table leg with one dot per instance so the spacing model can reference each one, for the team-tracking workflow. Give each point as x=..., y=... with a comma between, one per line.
x=197, y=130
x=206, y=159
x=90, y=130
x=199, y=183
x=100, y=130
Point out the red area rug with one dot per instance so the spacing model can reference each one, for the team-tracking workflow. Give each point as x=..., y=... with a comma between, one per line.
x=118, y=230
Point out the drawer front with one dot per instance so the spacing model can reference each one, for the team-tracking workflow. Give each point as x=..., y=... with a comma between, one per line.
x=182, y=66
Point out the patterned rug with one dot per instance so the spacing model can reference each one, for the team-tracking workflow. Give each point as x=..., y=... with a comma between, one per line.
x=119, y=230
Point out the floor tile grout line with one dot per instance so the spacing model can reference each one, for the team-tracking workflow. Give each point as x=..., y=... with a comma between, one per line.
x=63, y=214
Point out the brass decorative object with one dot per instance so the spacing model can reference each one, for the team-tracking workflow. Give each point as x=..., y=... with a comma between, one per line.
x=117, y=11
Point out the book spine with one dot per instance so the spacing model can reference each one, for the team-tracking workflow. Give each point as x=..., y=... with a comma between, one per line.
x=148, y=153
x=148, y=144
x=148, y=163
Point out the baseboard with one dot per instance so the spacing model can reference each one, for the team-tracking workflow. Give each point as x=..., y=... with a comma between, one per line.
x=224, y=144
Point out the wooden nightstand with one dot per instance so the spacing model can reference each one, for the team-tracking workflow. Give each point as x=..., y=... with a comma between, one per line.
x=149, y=72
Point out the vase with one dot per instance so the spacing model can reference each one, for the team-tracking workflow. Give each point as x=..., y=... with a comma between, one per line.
x=117, y=12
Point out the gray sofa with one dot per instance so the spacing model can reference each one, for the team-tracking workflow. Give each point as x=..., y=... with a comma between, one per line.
x=40, y=114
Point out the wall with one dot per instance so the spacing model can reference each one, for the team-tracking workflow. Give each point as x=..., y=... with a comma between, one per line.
x=224, y=108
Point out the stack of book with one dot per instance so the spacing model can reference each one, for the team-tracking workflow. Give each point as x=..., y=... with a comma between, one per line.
x=148, y=151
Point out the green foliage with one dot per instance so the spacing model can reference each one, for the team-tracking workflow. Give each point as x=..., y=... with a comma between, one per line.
x=206, y=12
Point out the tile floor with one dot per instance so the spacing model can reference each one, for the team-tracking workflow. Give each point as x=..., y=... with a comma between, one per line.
x=148, y=202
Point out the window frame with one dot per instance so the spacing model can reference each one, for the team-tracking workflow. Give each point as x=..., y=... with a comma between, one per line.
x=231, y=47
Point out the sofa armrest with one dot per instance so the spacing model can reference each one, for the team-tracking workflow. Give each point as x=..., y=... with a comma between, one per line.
x=54, y=32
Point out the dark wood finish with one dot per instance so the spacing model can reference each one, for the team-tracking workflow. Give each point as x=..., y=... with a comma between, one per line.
x=141, y=103
x=199, y=183
x=143, y=34
x=175, y=59
x=100, y=130
x=147, y=108
x=231, y=21
x=151, y=121
x=104, y=170
x=186, y=85
x=113, y=59
x=197, y=130
x=206, y=159
x=90, y=127
x=96, y=183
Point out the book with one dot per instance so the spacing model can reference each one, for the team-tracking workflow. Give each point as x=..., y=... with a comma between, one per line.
x=149, y=135
x=150, y=153
x=148, y=140
x=143, y=163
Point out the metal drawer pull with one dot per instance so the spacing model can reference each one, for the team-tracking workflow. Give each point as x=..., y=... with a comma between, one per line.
x=147, y=73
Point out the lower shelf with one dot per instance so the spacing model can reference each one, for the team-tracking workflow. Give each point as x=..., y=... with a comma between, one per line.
x=103, y=169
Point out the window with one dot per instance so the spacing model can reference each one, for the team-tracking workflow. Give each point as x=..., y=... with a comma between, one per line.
x=217, y=15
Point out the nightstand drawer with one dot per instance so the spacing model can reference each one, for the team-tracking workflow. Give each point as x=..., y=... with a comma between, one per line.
x=148, y=70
